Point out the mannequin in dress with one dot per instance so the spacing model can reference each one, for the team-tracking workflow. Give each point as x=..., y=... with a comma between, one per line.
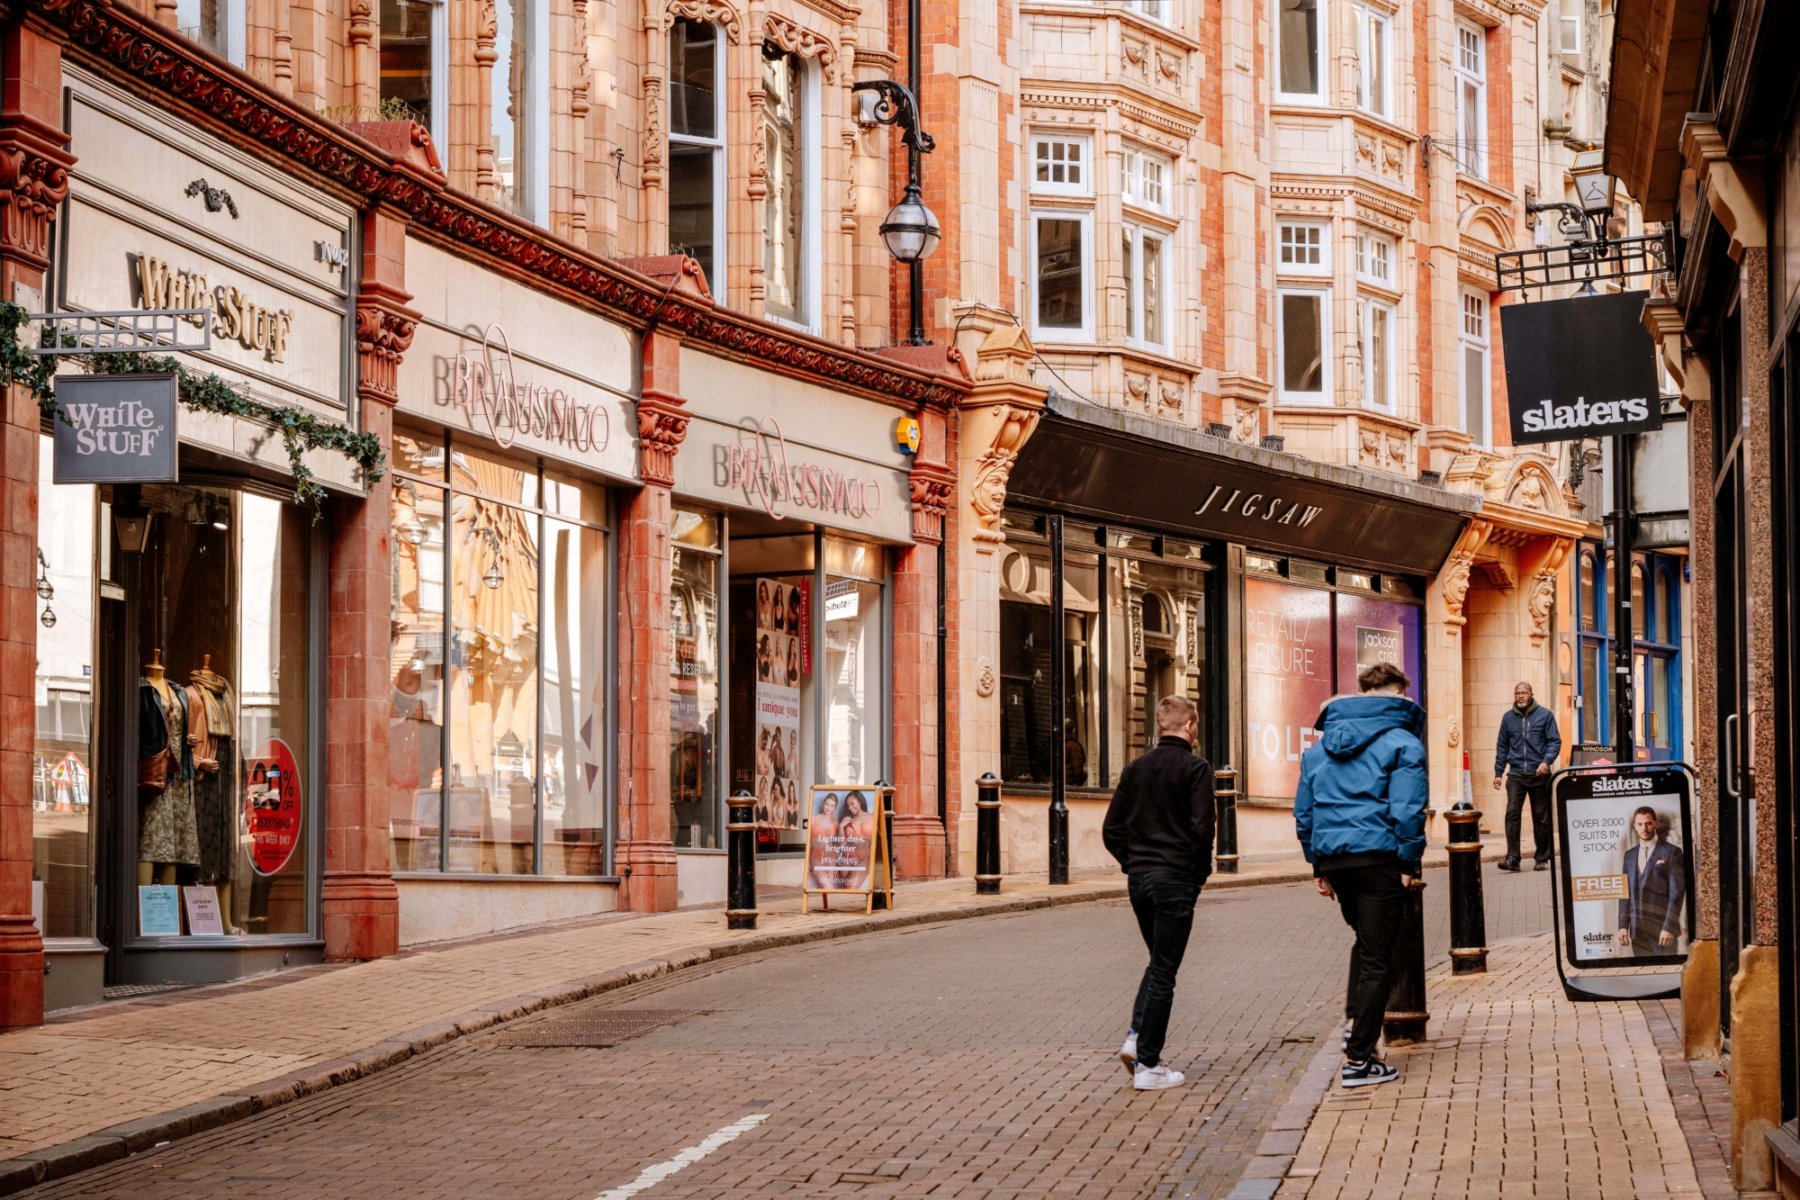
x=211, y=710
x=167, y=838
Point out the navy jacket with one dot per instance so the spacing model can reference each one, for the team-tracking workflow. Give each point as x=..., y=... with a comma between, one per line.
x=1362, y=784
x=1655, y=897
x=1161, y=815
x=1527, y=742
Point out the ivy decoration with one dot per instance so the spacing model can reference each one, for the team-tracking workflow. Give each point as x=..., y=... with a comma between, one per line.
x=300, y=431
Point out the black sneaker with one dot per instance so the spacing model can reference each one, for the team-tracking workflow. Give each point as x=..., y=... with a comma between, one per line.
x=1509, y=864
x=1543, y=864
x=1366, y=1074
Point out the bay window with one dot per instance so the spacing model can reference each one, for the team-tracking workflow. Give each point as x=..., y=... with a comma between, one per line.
x=1471, y=99
x=1300, y=49
x=697, y=147
x=1475, y=383
x=1146, y=318
x=1376, y=321
x=1372, y=35
x=1304, y=337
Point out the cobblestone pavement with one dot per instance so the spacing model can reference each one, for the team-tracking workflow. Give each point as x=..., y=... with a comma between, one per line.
x=966, y=1060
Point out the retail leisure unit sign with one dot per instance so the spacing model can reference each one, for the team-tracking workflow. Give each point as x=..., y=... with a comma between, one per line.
x=1584, y=367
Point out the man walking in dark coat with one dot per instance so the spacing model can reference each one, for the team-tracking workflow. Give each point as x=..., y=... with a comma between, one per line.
x=1360, y=814
x=1160, y=828
x=1524, y=756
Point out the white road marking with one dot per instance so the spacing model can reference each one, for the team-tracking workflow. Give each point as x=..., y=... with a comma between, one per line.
x=649, y=1177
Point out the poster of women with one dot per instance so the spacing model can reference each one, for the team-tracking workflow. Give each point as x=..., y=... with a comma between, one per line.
x=841, y=841
x=778, y=644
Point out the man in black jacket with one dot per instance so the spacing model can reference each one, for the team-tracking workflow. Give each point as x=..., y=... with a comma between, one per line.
x=1160, y=828
x=1524, y=756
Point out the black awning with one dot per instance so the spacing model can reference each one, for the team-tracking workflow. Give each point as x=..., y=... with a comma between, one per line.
x=1112, y=466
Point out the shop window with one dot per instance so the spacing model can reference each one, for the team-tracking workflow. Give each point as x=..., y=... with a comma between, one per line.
x=1144, y=179
x=1302, y=249
x=694, y=684
x=1299, y=49
x=1146, y=315
x=1376, y=333
x=216, y=24
x=1060, y=165
x=497, y=737
x=1373, y=49
x=1156, y=647
x=519, y=108
x=1060, y=248
x=1471, y=99
x=788, y=227
x=1027, y=646
x=1475, y=417
x=1304, y=336
x=697, y=147
x=415, y=63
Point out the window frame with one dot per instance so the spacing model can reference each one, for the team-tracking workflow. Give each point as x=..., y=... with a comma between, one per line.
x=1323, y=294
x=717, y=146
x=1321, y=56
x=1593, y=688
x=1084, y=332
x=1566, y=22
x=1367, y=15
x=1366, y=308
x=1465, y=341
x=1132, y=177
x=1322, y=244
x=1036, y=187
x=1136, y=232
x=1471, y=160
x=1366, y=242
x=808, y=307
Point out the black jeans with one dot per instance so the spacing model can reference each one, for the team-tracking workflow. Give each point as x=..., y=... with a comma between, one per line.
x=1164, y=904
x=1538, y=788
x=1372, y=902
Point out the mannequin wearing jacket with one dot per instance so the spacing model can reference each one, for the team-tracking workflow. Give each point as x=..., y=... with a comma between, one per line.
x=167, y=835
x=210, y=709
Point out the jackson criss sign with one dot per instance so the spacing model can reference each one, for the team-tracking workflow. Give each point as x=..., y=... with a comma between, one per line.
x=484, y=381
x=759, y=466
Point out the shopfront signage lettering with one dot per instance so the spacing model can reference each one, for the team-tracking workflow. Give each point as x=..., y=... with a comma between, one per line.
x=485, y=382
x=1582, y=367
x=234, y=315
x=761, y=467
x=1258, y=505
x=115, y=429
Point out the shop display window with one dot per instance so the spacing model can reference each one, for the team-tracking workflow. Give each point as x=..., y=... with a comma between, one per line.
x=1027, y=707
x=497, y=735
x=694, y=691
x=1156, y=647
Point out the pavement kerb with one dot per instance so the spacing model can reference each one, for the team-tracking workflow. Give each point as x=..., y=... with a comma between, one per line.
x=131, y=1137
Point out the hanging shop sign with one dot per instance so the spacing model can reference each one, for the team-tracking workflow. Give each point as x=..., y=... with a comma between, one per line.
x=1582, y=367
x=272, y=806
x=115, y=429
x=516, y=368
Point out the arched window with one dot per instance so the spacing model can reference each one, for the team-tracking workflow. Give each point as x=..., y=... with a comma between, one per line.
x=697, y=147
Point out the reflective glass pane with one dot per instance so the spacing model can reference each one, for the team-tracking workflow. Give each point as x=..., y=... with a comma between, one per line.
x=1302, y=343
x=855, y=680
x=1667, y=619
x=202, y=21
x=784, y=140
x=1589, y=601
x=693, y=199
x=693, y=79
x=574, y=729
x=1156, y=647
x=1639, y=617
x=406, y=58
x=417, y=668
x=694, y=693
x=1299, y=46
x=1060, y=273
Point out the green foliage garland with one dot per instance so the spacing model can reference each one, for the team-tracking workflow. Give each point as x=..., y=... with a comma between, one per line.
x=300, y=431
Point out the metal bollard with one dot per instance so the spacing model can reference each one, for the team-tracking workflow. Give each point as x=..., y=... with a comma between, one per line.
x=740, y=910
x=1225, y=795
x=1468, y=915
x=885, y=790
x=1406, y=1017
x=987, y=835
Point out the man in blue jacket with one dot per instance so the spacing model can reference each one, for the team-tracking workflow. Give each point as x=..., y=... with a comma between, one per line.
x=1360, y=813
x=1525, y=755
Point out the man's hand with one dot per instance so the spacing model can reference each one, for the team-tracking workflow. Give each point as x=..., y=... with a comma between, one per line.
x=1498, y=780
x=1665, y=938
x=1624, y=936
x=1543, y=769
x=1324, y=886
x=1412, y=883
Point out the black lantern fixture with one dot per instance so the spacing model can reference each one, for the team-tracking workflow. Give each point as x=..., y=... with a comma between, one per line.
x=45, y=591
x=911, y=231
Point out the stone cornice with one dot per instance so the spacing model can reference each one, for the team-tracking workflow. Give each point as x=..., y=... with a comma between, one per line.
x=192, y=84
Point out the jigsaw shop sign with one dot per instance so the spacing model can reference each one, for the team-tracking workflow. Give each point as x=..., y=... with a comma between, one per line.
x=115, y=429
x=1584, y=367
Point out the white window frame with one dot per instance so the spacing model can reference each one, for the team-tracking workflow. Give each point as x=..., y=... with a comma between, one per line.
x=1568, y=23
x=537, y=89
x=1063, y=188
x=1133, y=178
x=1320, y=240
x=1383, y=105
x=1367, y=246
x=1154, y=10
x=440, y=78
x=1322, y=57
x=1064, y=333
x=1367, y=307
x=1152, y=339
x=807, y=303
x=716, y=144
x=1323, y=395
x=1474, y=328
x=1471, y=75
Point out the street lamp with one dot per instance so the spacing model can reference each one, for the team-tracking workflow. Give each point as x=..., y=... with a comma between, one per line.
x=911, y=231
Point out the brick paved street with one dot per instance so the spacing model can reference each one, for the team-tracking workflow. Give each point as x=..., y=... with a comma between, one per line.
x=967, y=1060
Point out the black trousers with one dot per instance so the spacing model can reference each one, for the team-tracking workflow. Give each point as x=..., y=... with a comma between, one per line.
x=1538, y=788
x=1373, y=904
x=1164, y=904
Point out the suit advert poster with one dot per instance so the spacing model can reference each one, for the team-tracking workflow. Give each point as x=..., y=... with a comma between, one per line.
x=1627, y=869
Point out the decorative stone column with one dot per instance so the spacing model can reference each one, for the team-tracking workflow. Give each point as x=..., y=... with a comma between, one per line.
x=361, y=906
x=1443, y=690
x=918, y=832
x=34, y=179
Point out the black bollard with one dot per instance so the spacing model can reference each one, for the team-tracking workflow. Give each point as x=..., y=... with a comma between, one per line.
x=1225, y=796
x=1468, y=915
x=740, y=910
x=987, y=835
x=879, y=900
x=1405, y=1020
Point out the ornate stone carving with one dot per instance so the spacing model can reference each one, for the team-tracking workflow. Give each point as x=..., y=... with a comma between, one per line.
x=487, y=31
x=652, y=154
x=1528, y=491
x=662, y=427
x=1168, y=67
x=782, y=32
x=984, y=679
x=362, y=23
x=1543, y=598
x=1172, y=394
x=931, y=489
x=34, y=179
x=1365, y=148
x=1371, y=447
x=1397, y=448
x=707, y=12
x=1455, y=735
x=383, y=333
x=1249, y=425
x=1137, y=387
x=1136, y=58
x=1455, y=581
x=987, y=490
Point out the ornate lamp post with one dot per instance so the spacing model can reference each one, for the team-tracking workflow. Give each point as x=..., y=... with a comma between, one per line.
x=911, y=230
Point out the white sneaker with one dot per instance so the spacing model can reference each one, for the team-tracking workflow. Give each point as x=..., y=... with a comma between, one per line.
x=1128, y=1052
x=1155, y=1079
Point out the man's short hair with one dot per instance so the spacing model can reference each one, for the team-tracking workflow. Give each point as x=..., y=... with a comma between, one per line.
x=1647, y=809
x=1173, y=712
x=1382, y=675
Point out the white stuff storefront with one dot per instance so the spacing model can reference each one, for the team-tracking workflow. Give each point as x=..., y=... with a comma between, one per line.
x=515, y=418
x=788, y=500
x=178, y=794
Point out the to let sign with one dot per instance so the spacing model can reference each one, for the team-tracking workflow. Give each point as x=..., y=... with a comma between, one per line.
x=1583, y=367
x=115, y=429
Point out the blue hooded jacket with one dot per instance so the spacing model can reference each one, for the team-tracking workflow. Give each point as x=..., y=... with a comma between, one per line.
x=1362, y=784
